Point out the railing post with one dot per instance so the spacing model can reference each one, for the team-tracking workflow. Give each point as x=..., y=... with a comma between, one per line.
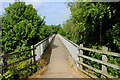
x=81, y=59
x=104, y=59
x=33, y=53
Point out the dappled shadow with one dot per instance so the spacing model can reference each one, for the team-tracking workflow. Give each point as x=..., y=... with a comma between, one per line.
x=47, y=54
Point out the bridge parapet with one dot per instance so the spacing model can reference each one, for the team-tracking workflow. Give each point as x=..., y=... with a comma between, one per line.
x=77, y=53
x=72, y=48
x=42, y=46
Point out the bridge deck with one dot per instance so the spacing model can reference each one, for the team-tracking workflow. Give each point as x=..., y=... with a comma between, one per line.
x=59, y=66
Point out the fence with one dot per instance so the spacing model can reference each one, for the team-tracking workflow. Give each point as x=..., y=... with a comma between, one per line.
x=37, y=51
x=76, y=53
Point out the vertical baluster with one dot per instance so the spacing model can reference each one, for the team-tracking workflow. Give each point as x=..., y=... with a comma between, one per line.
x=33, y=53
x=104, y=59
x=81, y=59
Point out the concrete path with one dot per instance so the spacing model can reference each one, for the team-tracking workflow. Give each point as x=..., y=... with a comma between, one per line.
x=59, y=66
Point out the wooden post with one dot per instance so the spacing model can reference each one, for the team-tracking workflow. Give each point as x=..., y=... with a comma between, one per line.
x=81, y=59
x=33, y=53
x=104, y=59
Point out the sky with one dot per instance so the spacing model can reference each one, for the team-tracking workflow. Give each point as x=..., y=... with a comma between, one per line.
x=56, y=11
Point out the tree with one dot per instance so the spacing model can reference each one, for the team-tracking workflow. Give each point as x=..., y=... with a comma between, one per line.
x=95, y=24
x=21, y=26
x=0, y=36
x=92, y=23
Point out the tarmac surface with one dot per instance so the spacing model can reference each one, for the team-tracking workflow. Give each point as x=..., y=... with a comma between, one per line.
x=59, y=66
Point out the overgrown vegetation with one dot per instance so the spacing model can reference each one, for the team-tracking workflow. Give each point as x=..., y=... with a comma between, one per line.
x=21, y=28
x=95, y=24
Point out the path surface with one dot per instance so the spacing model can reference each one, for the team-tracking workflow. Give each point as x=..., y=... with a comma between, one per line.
x=59, y=66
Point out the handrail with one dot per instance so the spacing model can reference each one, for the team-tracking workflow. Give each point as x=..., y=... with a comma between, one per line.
x=13, y=53
x=33, y=55
x=94, y=50
x=8, y=65
x=42, y=41
x=96, y=70
x=81, y=56
x=100, y=51
x=102, y=62
x=70, y=41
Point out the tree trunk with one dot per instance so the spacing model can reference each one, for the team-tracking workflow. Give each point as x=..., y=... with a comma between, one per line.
x=100, y=31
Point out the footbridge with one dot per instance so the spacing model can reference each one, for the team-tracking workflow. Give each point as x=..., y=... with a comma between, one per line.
x=58, y=57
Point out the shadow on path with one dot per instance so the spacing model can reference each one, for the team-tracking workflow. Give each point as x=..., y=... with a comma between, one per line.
x=44, y=61
x=54, y=46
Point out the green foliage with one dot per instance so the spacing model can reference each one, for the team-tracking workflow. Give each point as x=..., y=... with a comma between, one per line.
x=45, y=29
x=20, y=26
x=116, y=34
x=92, y=24
x=57, y=28
x=95, y=24
x=10, y=74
